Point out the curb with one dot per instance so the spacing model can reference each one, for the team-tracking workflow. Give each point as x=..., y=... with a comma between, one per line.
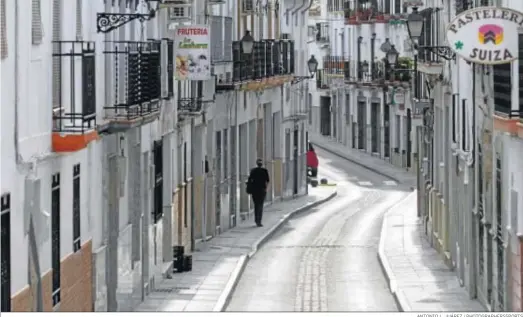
x=397, y=293
x=226, y=295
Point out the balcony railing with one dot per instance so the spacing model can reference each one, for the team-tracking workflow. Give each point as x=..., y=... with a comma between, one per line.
x=269, y=58
x=334, y=66
x=322, y=81
x=365, y=15
x=380, y=75
x=137, y=79
x=322, y=32
x=75, y=108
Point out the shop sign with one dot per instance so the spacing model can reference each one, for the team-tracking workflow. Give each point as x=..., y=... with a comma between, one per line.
x=486, y=35
x=192, y=49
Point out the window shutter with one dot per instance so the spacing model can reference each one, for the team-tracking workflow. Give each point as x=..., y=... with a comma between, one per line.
x=3, y=30
x=36, y=22
x=79, y=11
x=57, y=32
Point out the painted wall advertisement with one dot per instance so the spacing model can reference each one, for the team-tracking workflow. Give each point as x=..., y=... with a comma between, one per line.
x=192, y=47
x=486, y=35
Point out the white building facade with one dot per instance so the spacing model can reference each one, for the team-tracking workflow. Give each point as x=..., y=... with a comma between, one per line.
x=367, y=104
x=100, y=184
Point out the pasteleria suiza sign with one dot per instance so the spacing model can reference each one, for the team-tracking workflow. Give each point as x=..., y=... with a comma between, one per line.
x=486, y=35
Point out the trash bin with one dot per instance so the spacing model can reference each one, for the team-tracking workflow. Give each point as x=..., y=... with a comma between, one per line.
x=187, y=263
x=178, y=258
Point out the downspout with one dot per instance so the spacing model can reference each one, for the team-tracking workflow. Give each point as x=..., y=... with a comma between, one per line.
x=18, y=158
x=289, y=9
x=299, y=8
x=307, y=8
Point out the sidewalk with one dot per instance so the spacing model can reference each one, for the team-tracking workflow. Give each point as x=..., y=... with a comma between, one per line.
x=417, y=274
x=364, y=159
x=218, y=264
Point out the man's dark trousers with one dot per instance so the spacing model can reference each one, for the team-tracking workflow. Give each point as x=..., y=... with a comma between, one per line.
x=258, y=199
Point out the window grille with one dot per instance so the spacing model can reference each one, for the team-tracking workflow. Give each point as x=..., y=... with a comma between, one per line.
x=36, y=22
x=3, y=30
x=56, y=65
x=79, y=13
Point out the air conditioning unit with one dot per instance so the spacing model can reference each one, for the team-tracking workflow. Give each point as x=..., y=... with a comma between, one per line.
x=175, y=3
x=248, y=6
x=181, y=13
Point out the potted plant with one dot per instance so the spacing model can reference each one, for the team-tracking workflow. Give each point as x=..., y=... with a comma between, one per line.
x=404, y=69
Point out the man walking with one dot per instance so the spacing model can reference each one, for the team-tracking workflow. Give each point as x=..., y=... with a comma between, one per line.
x=257, y=187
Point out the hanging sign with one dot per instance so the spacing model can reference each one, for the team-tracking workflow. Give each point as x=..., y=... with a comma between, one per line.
x=486, y=35
x=192, y=48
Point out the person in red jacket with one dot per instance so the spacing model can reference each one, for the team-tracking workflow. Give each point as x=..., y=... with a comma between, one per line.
x=312, y=161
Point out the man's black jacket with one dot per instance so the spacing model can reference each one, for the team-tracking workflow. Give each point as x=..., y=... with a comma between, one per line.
x=258, y=179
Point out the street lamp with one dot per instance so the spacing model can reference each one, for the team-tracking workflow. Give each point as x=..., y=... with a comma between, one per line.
x=386, y=46
x=392, y=56
x=247, y=42
x=415, y=24
x=313, y=65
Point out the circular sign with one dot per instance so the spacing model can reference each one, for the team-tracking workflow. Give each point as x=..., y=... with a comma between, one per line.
x=486, y=35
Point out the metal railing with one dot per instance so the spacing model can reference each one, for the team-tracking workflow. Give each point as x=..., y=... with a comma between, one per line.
x=76, y=68
x=322, y=81
x=322, y=32
x=136, y=79
x=334, y=65
x=381, y=74
x=269, y=58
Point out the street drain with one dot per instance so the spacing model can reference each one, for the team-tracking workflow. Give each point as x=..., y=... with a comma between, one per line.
x=171, y=289
x=429, y=300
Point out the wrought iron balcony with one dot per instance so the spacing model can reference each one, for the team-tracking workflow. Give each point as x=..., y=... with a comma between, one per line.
x=380, y=74
x=137, y=79
x=269, y=58
x=360, y=15
x=334, y=66
x=322, y=81
x=74, y=108
x=322, y=32
x=346, y=70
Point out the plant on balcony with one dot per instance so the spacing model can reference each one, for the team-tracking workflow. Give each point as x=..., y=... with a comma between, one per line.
x=404, y=66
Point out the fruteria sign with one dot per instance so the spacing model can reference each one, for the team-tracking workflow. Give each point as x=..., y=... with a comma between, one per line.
x=192, y=48
x=486, y=35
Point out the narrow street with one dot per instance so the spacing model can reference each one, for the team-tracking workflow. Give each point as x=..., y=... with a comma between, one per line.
x=326, y=259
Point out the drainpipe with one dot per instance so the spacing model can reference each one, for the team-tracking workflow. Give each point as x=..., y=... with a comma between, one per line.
x=33, y=247
x=307, y=8
x=289, y=9
x=299, y=8
x=17, y=148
